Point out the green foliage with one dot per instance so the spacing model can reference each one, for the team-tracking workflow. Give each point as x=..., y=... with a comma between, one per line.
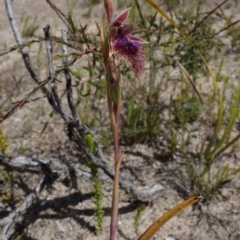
x=29, y=29
x=6, y=193
x=214, y=146
x=172, y=4
x=188, y=54
x=232, y=28
x=27, y=127
x=143, y=119
x=194, y=46
x=21, y=148
x=89, y=142
x=39, y=54
x=4, y=173
x=172, y=142
x=3, y=142
x=141, y=123
x=130, y=127
x=208, y=181
x=98, y=197
x=137, y=218
x=8, y=178
x=201, y=171
x=97, y=186
x=186, y=110
x=223, y=176
x=7, y=175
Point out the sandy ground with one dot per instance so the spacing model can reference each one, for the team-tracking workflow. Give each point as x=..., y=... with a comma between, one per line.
x=66, y=213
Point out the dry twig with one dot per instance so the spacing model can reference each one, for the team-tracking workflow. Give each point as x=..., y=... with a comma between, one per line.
x=43, y=165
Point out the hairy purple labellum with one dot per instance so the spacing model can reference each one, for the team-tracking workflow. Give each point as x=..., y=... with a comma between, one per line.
x=131, y=49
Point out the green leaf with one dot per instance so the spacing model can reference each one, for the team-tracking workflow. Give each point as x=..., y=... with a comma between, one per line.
x=5, y=198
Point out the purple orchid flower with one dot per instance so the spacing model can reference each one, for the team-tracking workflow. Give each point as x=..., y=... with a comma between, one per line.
x=125, y=45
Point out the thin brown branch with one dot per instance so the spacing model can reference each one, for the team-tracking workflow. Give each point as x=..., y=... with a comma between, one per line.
x=14, y=48
x=207, y=16
x=226, y=28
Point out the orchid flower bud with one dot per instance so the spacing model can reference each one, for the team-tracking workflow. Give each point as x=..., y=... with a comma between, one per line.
x=109, y=9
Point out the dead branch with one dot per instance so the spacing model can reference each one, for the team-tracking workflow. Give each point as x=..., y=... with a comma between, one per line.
x=52, y=72
x=43, y=165
x=68, y=78
x=27, y=202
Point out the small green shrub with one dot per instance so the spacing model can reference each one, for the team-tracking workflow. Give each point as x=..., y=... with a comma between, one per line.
x=141, y=122
x=97, y=186
x=186, y=110
x=29, y=29
x=137, y=218
x=3, y=143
